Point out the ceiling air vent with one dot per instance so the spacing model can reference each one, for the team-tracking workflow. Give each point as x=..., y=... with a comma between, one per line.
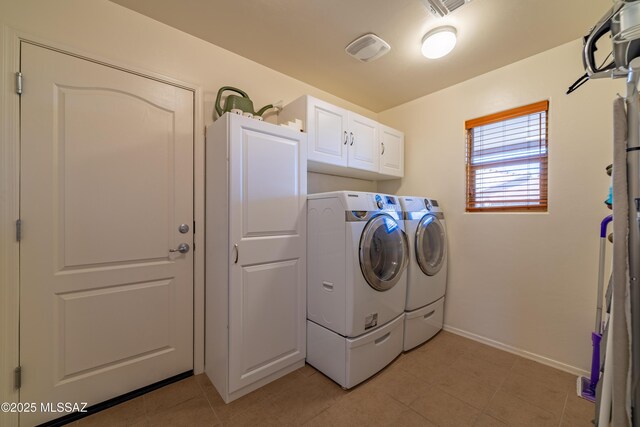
x=367, y=48
x=442, y=8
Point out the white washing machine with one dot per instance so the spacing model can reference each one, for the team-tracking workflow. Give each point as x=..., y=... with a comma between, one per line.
x=427, y=271
x=357, y=254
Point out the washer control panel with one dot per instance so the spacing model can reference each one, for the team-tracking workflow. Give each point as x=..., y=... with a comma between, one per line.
x=385, y=202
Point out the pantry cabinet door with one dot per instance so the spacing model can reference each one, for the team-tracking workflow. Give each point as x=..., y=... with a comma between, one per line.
x=363, y=143
x=267, y=220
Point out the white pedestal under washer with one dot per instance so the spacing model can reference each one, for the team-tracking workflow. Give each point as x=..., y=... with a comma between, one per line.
x=357, y=255
x=427, y=270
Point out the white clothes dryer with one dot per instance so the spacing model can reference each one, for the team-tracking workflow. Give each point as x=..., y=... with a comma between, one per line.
x=357, y=254
x=427, y=271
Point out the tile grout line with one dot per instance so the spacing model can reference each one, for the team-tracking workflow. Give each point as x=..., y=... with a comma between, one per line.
x=422, y=416
x=316, y=415
x=564, y=408
x=483, y=411
x=480, y=412
x=566, y=397
x=208, y=402
x=496, y=392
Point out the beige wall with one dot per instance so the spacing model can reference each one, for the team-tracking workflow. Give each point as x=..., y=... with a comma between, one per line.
x=524, y=280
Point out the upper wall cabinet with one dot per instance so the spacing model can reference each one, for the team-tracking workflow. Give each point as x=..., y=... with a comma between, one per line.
x=344, y=143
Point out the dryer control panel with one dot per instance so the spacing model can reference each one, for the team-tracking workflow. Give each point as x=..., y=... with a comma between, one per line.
x=432, y=205
x=417, y=207
x=415, y=204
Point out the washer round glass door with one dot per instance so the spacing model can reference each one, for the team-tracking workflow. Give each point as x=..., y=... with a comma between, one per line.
x=383, y=252
x=430, y=245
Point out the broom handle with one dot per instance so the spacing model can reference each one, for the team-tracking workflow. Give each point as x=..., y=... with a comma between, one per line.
x=603, y=239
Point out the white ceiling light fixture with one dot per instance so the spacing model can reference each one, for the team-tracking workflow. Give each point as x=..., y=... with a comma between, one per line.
x=439, y=42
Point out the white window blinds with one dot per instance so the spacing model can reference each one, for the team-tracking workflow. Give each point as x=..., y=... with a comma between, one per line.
x=507, y=160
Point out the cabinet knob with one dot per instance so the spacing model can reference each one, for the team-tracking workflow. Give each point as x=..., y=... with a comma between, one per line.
x=346, y=138
x=352, y=138
x=382, y=143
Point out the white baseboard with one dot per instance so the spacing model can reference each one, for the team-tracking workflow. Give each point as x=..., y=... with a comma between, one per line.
x=519, y=352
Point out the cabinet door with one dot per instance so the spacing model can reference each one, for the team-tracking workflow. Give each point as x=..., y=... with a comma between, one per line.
x=391, y=151
x=327, y=129
x=363, y=143
x=267, y=220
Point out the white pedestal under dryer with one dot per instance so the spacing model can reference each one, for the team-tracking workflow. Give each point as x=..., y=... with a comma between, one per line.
x=427, y=271
x=357, y=255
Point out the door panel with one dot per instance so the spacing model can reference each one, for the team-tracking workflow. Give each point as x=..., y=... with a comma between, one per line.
x=267, y=223
x=106, y=178
x=101, y=154
x=270, y=293
x=270, y=205
x=87, y=324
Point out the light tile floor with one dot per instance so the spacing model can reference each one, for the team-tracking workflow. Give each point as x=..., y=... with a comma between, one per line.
x=449, y=381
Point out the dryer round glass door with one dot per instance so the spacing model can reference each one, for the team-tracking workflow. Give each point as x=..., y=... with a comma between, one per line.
x=430, y=245
x=383, y=252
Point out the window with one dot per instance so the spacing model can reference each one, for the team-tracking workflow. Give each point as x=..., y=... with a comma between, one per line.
x=507, y=160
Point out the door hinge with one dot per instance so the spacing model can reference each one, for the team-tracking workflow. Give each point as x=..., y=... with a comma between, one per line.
x=19, y=83
x=18, y=230
x=17, y=377
x=194, y=227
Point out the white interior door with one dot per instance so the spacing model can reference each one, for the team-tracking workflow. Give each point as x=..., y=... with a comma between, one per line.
x=106, y=180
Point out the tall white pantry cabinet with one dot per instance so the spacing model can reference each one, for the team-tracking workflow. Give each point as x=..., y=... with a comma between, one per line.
x=256, y=191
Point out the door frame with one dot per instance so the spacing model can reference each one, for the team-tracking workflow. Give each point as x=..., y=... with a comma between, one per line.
x=10, y=42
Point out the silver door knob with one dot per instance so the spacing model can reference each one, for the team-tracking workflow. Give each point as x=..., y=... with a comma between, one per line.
x=183, y=248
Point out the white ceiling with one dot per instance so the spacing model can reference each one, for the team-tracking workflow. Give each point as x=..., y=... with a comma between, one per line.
x=305, y=39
